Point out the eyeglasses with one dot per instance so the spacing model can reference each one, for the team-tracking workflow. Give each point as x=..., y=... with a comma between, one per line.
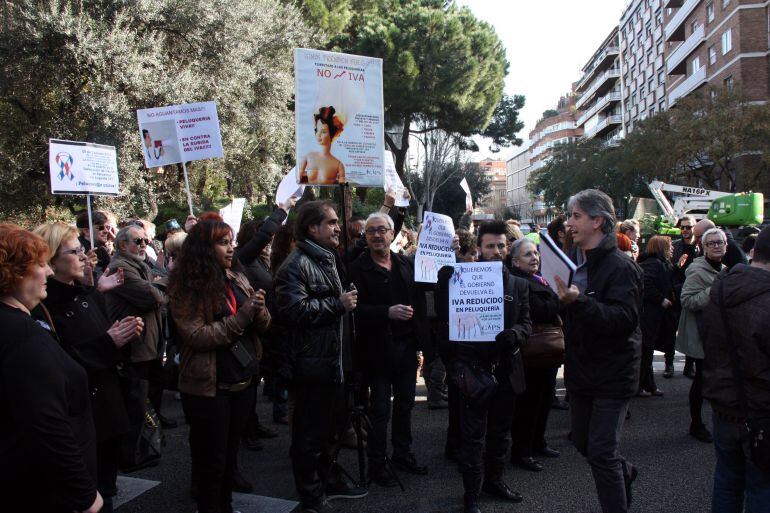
x=77, y=251
x=139, y=241
x=380, y=230
x=684, y=227
x=101, y=227
x=716, y=243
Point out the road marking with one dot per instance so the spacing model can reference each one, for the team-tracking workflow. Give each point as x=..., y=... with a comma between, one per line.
x=129, y=488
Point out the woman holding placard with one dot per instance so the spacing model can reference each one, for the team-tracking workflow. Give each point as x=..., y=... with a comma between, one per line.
x=533, y=406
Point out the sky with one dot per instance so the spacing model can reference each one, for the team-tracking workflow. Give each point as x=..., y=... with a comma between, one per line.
x=547, y=43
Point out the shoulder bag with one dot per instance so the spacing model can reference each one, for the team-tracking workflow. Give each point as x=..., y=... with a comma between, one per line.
x=545, y=347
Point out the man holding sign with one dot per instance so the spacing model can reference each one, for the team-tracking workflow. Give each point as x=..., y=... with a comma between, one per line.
x=486, y=368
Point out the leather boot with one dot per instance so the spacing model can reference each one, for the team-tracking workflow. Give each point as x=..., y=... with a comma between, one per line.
x=472, y=486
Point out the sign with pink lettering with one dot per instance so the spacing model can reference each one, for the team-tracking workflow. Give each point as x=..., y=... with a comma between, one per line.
x=179, y=133
x=339, y=118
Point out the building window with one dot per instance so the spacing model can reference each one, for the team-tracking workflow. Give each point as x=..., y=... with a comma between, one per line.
x=651, y=85
x=713, y=93
x=695, y=65
x=727, y=41
x=661, y=78
x=712, y=54
x=641, y=91
x=710, y=12
x=652, y=111
x=729, y=83
x=694, y=26
x=662, y=106
x=725, y=3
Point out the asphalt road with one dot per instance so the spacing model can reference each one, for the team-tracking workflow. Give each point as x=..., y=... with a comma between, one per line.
x=675, y=470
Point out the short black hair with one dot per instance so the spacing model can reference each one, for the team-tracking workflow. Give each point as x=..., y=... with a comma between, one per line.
x=310, y=214
x=762, y=246
x=97, y=217
x=490, y=228
x=556, y=226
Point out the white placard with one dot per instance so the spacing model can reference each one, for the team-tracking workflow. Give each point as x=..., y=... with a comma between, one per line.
x=288, y=188
x=393, y=181
x=339, y=118
x=553, y=262
x=476, y=305
x=82, y=168
x=468, y=198
x=233, y=213
x=434, y=247
x=179, y=133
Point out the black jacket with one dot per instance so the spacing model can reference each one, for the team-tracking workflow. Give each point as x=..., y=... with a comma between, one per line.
x=659, y=282
x=80, y=322
x=747, y=300
x=602, y=334
x=256, y=270
x=544, y=305
x=47, y=440
x=307, y=299
x=517, y=323
x=734, y=254
x=374, y=338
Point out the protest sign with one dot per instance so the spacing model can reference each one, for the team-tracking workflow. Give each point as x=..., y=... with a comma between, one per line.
x=233, y=213
x=553, y=263
x=391, y=180
x=468, y=198
x=180, y=133
x=82, y=168
x=339, y=118
x=288, y=188
x=434, y=247
x=476, y=305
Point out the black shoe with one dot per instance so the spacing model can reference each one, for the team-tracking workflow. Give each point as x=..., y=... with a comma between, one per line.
x=167, y=423
x=321, y=507
x=500, y=490
x=407, y=463
x=559, y=404
x=634, y=473
x=548, y=452
x=253, y=444
x=382, y=476
x=240, y=484
x=699, y=432
x=669, y=372
x=689, y=370
x=262, y=431
x=528, y=463
x=657, y=392
x=343, y=489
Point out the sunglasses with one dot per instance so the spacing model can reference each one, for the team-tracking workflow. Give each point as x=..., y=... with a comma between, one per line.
x=139, y=241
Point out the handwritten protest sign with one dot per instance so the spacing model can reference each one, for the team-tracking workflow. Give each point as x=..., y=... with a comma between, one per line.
x=476, y=306
x=339, y=118
x=434, y=247
x=391, y=180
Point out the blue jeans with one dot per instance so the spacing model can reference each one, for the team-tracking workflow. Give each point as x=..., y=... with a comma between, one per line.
x=736, y=480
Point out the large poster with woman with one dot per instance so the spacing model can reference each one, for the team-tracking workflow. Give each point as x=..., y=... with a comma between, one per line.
x=339, y=118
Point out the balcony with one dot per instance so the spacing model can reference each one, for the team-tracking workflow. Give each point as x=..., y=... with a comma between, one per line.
x=687, y=86
x=600, y=63
x=676, y=64
x=603, y=126
x=601, y=103
x=672, y=4
x=597, y=85
x=674, y=29
x=613, y=139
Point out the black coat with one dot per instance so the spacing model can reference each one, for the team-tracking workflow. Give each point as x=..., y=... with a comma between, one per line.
x=80, y=321
x=47, y=440
x=307, y=300
x=544, y=305
x=379, y=350
x=659, y=279
x=602, y=334
x=250, y=255
x=517, y=322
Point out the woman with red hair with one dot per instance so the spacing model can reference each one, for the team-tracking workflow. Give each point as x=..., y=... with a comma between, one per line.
x=47, y=439
x=218, y=316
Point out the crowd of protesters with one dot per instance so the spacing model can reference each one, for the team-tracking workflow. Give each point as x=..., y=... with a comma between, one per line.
x=95, y=330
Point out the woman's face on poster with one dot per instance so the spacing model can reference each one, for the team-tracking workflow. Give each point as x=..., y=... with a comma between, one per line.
x=147, y=140
x=322, y=133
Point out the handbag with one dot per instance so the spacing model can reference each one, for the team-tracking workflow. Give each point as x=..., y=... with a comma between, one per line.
x=544, y=349
x=476, y=384
x=757, y=429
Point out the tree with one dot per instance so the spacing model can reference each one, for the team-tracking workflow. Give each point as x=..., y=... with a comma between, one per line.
x=702, y=140
x=443, y=70
x=78, y=70
x=450, y=198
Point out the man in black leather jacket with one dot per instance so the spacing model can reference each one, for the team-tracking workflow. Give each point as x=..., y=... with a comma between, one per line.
x=311, y=301
x=603, y=344
x=485, y=429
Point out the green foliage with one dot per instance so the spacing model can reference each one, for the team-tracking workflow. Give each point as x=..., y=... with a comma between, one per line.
x=549, y=113
x=450, y=198
x=78, y=70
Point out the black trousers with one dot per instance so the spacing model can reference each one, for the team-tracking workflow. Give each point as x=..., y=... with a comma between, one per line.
x=532, y=410
x=400, y=382
x=696, y=393
x=318, y=419
x=646, y=374
x=107, y=470
x=453, y=429
x=216, y=427
x=485, y=433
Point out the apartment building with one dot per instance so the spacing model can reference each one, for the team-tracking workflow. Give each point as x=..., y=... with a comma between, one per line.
x=495, y=201
x=516, y=176
x=642, y=50
x=599, y=93
x=716, y=43
x=555, y=129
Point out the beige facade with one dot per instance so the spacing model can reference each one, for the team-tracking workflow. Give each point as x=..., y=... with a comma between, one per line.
x=495, y=201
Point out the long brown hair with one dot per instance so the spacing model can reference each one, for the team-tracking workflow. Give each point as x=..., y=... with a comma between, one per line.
x=659, y=245
x=198, y=280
